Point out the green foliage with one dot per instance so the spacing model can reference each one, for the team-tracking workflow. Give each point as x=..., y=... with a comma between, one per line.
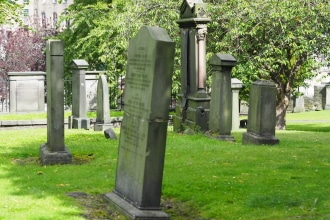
x=9, y=12
x=101, y=30
x=283, y=41
x=276, y=40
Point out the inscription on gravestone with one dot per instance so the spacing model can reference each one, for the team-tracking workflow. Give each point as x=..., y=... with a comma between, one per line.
x=144, y=127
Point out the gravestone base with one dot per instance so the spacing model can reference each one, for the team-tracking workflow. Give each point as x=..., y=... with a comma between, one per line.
x=81, y=123
x=196, y=116
x=131, y=211
x=218, y=136
x=102, y=127
x=48, y=157
x=251, y=138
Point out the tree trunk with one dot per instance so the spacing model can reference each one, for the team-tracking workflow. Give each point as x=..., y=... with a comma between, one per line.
x=281, y=108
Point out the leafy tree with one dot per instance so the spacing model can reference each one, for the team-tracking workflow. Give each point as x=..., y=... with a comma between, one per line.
x=9, y=11
x=101, y=30
x=282, y=41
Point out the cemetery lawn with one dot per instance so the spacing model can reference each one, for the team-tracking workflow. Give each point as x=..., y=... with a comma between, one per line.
x=203, y=178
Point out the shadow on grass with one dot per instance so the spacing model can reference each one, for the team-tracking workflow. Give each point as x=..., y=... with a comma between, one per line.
x=92, y=173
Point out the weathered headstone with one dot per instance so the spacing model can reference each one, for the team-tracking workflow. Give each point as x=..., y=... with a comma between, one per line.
x=262, y=114
x=27, y=91
x=55, y=151
x=236, y=85
x=144, y=128
x=327, y=97
x=103, y=120
x=92, y=78
x=79, y=111
x=299, y=104
x=221, y=96
x=192, y=108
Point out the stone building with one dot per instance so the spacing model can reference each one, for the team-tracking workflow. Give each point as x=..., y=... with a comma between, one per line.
x=44, y=13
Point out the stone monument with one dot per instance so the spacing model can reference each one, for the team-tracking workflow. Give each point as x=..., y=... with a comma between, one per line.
x=327, y=97
x=192, y=109
x=221, y=96
x=55, y=151
x=27, y=91
x=92, y=78
x=144, y=128
x=236, y=85
x=79, y=111
x=103, y=120
x=262, y=114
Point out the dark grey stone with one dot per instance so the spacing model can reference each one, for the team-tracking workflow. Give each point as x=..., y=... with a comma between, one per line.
x=110, y=134
x=220, y=120
x=144, y=126
x=262, y=114
x=55, y=151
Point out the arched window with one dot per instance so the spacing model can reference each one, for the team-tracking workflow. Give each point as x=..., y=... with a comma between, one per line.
x=43, y=19
x=54, y=19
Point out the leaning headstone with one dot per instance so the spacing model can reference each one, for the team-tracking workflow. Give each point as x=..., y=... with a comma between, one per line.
x=27, y=91
x=103, y=120
x=262, y=114
x=109, y=134
x=79, y=111
x=220, y=122
x=144, y=128
x=55, y=151
x=236, y=85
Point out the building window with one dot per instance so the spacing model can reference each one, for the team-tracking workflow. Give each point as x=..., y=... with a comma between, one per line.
x=55, y=19
x=26, y=12
x=26, y=1
x=43, y=19
x=54, y=1
x=65, y=1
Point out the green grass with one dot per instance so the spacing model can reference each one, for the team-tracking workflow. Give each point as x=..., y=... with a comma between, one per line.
x=203, y=178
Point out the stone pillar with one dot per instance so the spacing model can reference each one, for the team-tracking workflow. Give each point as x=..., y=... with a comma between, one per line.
x=79, y=111
x=221, y=96
x=327, y=97
x=192, y=109
x=236, y=86
x=55, y=151
x=262, y=114
x=103, y=120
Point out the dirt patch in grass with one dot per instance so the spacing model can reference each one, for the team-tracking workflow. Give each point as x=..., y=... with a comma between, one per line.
x=76, y=160
x=96, y=207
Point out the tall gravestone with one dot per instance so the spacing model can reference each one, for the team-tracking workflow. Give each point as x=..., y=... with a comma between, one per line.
x=55, y=151
x=92, y=78
x=144, y=127
x=262, y=114
x=236, y=86
x=221, y=96
x=103, y=120
x=327, y=97
x=27, y=91
x=79, y=111
x=192, y=109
